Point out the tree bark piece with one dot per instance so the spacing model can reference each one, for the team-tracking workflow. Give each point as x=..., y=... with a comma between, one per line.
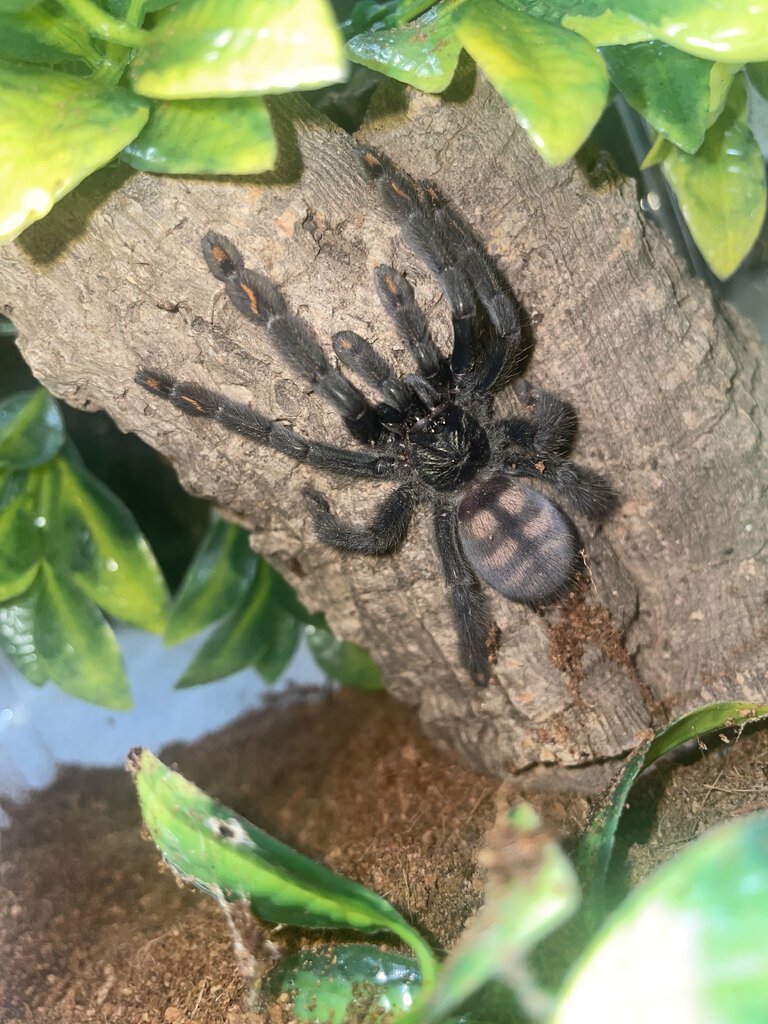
x=666, y=384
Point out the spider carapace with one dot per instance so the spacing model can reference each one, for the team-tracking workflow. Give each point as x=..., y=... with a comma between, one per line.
x=433, y=432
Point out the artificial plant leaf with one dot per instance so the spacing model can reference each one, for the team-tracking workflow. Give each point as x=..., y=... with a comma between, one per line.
x=424, y=53
x=721, y=189
x=353, y=981
x=597, y=845
x=45, y=36
x=54, y=632
x=532, y=889
x=20, y=548
x=202, y=48
x=239, y=639
x=735, y=31
x=93, y=537
x=280, y=634
x=341, y=660
x=671, y=89
x=758, y=76
x=688, y=944
x=31, y=428
x=223, y=854
x=554, y=81
x=219, y=574
x=55, y=130
x=222, y=136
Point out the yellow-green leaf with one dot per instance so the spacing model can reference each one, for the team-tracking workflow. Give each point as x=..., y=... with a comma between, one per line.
x=223, y=136
x=204, y=48
x=225, y=855
x=55, y=130
x=424, y=53
x=20, y=548
x=721, y=188
x=734, y=32
x=554, y=81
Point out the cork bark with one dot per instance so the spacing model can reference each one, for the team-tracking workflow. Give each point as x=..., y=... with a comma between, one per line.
x=667, y=385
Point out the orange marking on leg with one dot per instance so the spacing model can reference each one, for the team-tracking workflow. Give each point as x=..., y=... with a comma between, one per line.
x=252, y=300
x=219, y=254
x=193, y=402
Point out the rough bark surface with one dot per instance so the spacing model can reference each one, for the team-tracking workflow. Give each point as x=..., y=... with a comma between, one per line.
x=667, y=386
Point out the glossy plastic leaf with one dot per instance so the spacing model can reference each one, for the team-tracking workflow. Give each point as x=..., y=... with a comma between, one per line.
x=346, y=662
x=242, y=638
x=45, y=36
x=281, y=634
x=93, y=536
x=597, y=846
x=532, y=889
x=203, y=48
x=689, y=944
x=31, y=429
x=758, y=76
x=223, y=136
x=20, y=548
x=54, y=632
x=220, y=573
x=669, y=88
x=424, y=53
x=721, y=188
x=223, y=854
x=332, y=984
x=55, y=130
x=554, y=81
x=735, y=31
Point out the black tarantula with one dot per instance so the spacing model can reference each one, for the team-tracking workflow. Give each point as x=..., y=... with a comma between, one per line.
x=434, y=434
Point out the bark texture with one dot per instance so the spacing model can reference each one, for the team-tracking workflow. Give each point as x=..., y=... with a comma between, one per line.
x=667, y=386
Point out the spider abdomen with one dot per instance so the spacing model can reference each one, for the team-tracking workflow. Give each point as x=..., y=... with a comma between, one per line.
x=518, y=541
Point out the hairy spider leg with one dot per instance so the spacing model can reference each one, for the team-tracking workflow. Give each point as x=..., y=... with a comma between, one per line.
x=477, y=632
x=587, y=491
x=359, y=356
x=405, y=201
x=259, y=300
x=195, y=400
x=499, y=349
x=399, y=302
x=552, y=427
x=385, y=533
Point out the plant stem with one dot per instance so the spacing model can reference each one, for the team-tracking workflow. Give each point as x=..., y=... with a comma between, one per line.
x=424, y=954
x=102, y=24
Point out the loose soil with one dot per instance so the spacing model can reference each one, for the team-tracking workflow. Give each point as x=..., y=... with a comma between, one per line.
x=92, y=930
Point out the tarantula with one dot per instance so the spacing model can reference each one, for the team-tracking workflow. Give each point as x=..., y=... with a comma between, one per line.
x=434, y=434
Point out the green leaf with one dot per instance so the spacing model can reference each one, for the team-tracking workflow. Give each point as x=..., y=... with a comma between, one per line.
x=332, y=984
x=220, y=573
x=423, y=53
x=223, y=854
x=45, y=37
x=346, y=662
x=31, y=429
x=532, y=890
x=597, y=845
x=721, y=188
x=281, y=634
x=229, y=136
x=734, y=32
x=55, y=130
x=689, y=944
x=246, y=636
x=12, y=6
x=93, y=536
x=20, y=548
x=554, y=81
x=203, y=48
x=669, y=88
x=758, y=76
x=54, y=632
